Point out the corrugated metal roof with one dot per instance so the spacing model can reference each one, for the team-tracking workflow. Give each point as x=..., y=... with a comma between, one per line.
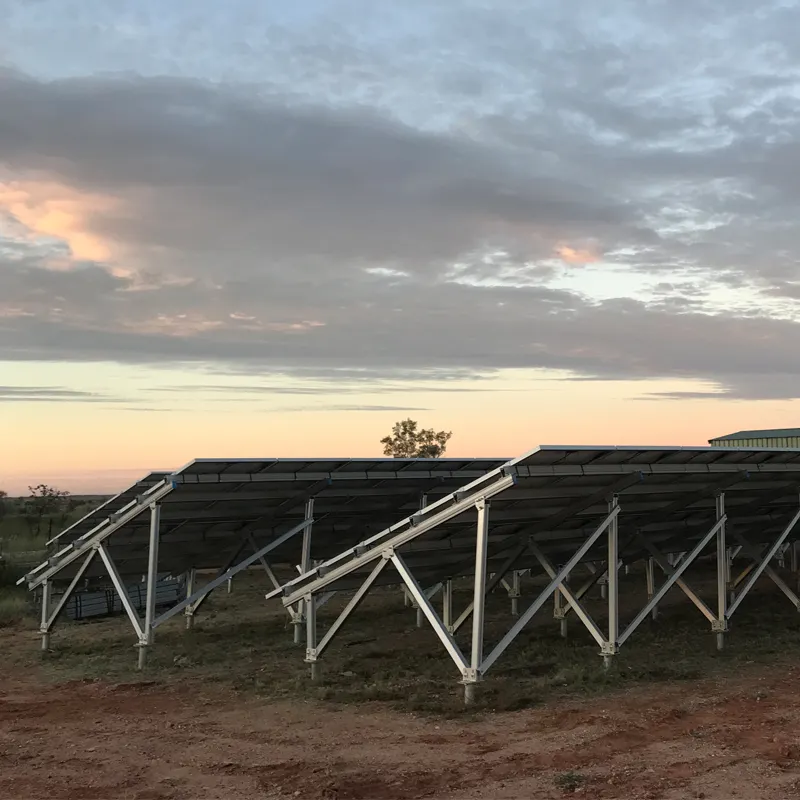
x=772, y=433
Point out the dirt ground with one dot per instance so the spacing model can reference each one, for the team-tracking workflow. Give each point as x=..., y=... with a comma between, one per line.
x=180, y=741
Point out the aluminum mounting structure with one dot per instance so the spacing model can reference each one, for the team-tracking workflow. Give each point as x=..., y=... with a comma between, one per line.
x=472, y=666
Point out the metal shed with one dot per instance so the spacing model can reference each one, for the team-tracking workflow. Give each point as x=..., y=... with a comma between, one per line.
x=772, y=438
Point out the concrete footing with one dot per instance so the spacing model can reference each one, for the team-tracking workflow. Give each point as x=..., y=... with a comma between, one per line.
x=470, y=693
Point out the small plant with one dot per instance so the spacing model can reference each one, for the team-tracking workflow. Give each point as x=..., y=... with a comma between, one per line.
x=569, y=781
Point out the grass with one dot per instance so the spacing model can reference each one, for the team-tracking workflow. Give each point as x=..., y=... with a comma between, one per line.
x=379, y=655
x=15, y=606
x=569, y=781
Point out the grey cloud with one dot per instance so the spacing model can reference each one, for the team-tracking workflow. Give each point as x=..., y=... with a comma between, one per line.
x=217, y=173
x=642, y=133
x=747, y=387
x=47, y=394
x=462, y=329
x=355, y=407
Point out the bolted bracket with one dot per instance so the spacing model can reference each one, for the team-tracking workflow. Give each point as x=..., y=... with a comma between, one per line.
x=719, y=626
x=311, y=654
x=609, y=649
x=470, y=675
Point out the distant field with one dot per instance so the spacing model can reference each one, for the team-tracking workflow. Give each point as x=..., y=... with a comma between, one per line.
x=22, y=548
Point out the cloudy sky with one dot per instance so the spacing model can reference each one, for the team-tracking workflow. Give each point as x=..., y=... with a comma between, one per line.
x=264, y=229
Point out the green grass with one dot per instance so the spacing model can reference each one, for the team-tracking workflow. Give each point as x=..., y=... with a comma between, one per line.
x=569, y=781
x=15, y=607
x=380, y=656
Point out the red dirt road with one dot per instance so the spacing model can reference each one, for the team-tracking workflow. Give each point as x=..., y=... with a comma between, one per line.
x=154, y=741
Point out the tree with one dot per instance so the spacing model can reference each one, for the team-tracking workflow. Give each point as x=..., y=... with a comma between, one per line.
x=43, y=501
x=3, y=509
x=407, y=441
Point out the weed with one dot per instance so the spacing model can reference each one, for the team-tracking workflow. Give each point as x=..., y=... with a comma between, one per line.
x=569, y=781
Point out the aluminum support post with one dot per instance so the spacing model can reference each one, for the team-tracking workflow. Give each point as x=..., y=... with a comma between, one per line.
x=722, y=574
x=478, y=602
x=47, y=589
x=311, y=635
x=447, y=605
x=305, y=557
x=611, y=647
x=559, y=611
x=756, y=573
x=189, y=611
x=152, y=580
x=305, y=566
x=650, y=573
x=515, y=593
x=492, y=584
x=420, y=615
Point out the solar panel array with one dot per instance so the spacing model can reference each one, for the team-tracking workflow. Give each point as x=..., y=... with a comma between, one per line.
x=209, y=505
x=555, y=496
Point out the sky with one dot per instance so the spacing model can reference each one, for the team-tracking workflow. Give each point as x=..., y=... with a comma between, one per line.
x=259, y=229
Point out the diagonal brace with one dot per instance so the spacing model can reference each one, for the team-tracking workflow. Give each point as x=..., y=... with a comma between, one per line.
x=571, y=597
x=54, y=615
x=229, y=573
x=671, y=580
x=659, y=558
x=768, y=570
x=122, y=592
x=354, y=603
x=745, y=546
x=763, y=564
x=428, y=610
x=548, y=590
